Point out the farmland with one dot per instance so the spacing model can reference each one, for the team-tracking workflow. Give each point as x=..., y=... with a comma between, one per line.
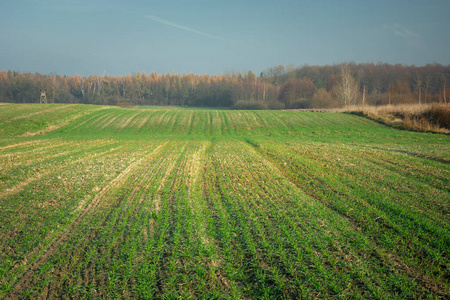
x=107, y=202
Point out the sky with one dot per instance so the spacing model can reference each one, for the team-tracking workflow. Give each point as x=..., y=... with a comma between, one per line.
x=84, y=37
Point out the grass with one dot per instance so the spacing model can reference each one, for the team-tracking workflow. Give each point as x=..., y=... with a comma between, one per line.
x=424, y=117
x=105, y=202
x=161, y=107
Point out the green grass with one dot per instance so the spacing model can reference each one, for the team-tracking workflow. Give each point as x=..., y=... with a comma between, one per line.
x=157, y=107
x=104, y=202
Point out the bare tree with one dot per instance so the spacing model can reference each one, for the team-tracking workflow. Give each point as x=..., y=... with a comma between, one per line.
x=445, y=87
x=428, y=85
x=347, y=89
x=81, y=81
x=54, y=85
x=418, y=82
x=364, y=96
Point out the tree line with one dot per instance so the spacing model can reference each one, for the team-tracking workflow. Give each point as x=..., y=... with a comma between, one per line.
x=278, y=87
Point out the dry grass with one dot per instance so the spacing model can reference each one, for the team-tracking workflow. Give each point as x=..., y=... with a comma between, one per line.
x=425, y=117
x=440, y=114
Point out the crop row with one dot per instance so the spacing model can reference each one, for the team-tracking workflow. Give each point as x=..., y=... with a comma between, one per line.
x=39, y=208
x=123, y=123
x=19, y=119
x=289, y=244
x=128, y=203
x=399, y=203
x=252, y=219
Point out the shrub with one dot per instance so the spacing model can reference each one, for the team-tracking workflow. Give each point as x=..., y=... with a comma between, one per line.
x=439, y=114
x=123, y=103
x=275, y=105
x=249, y=105
x=301, y=104
x=425, y=117
x=323, y=99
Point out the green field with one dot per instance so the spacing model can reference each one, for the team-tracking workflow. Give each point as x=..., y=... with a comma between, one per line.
x=107, y=202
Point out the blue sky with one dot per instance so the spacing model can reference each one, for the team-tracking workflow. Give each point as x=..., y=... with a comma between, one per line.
x=119, y=37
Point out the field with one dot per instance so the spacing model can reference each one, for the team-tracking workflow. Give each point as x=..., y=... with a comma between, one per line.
x=107, y=202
